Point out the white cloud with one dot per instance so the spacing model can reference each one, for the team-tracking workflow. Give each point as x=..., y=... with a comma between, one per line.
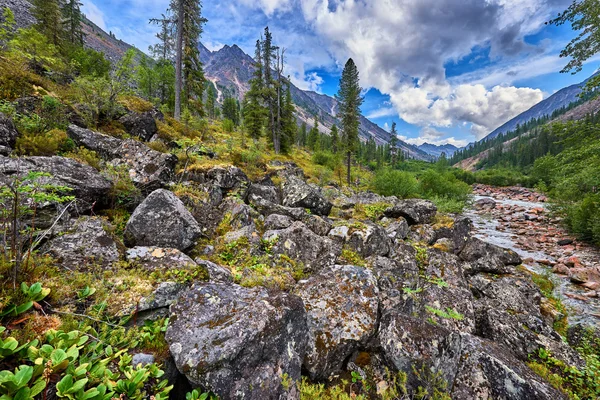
x=93, y=13
x=382, y=112
x=401, y=47
x=423, y=138
x=269, y=7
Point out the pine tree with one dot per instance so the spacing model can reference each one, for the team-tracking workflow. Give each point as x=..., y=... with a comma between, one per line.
x=49, y=19
x=254, y=112
x=313, y=136
x=394, y=144
x=350, y=100
x=231, y=110
x=72, y=19
x=302, y=135
x=211, y=99
x=189, y=83
x=269, y=91
x=164, y=49
x=335, y=139
x=288, y=122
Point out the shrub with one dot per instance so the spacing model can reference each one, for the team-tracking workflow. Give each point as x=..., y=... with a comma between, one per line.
x=228, y=125
x=47, y=144
x=402, y=184
x=86, y=156
x=443, y=184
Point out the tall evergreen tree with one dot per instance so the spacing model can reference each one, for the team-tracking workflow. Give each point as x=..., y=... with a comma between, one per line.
x=254, y=112
x=335, y=139
x=231, y=110
x=269, y=91
x=49, y=19
x=165, y=48
x=289, y=127
x=394, y=144
x=313, y=136
x=72, y=19
x=350, y=100
x=211, y=99
x=189, y=75
x=302, y=135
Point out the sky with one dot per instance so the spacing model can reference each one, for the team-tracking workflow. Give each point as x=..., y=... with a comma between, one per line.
x=446, y=71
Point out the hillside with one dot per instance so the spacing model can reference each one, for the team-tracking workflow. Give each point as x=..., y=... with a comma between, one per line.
x=560, y=99
x=230, y=69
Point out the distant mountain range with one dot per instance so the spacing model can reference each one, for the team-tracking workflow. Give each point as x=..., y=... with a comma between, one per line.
x=230, y=70
x=560, y=99
x=437, y=150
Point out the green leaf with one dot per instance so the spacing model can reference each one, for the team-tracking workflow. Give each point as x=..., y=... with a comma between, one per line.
x=23, y=375
x=38, y=387
x=23, y=394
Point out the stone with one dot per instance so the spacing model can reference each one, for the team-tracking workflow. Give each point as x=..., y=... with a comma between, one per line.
x=416, y=211
x=229, y=179
x=485, y=257
x=237, y=342
x=304, y=246
x=365, y=238
x=276, y=221
x=156, y=305
x=162, y=220
x=141, y=125
x=341, y=303
x=90, y=189
x=298, y=194
x=158, y=258
x=266, y=208
x=86, y=245
x=485, y=203
x=393, y=277
x=8, y=134
x=564, y=242
x=422, y=234
x=216, y=273
x=148, y=169
x=267, y=192
x=143, y=359
x=398, y=230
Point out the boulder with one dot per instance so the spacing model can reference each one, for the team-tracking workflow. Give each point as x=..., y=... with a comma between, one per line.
x=459, y=233
x=239, y=343
x=8, y=135
x=88, y=186
x=87, y=244
x=396, y=279
x=422, y=234
x=228, y=179
x=366, y=238
x=216, y=273
x=148, y=169
x=298, y=194
x=141, y=125
x=158, y=259
x=486, y=257
x=162, y=220
x=304, y=246
x=398, y=229
x=341, y=304
x=266, y=208
x=416, y=211
x=267, y=192
x=486, y=203
x=276, y=222
x=156, y=305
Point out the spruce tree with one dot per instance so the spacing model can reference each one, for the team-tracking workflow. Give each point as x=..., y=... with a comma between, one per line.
x=313, y=136
x=335, y=139
x=254, y=112
x=49, y=19
x=72, y=19
x=231, y=110
x=288, y=122
x=269, y=91
x=302, y=135
x=211, y=99
x=394, y=145
x=350, y=100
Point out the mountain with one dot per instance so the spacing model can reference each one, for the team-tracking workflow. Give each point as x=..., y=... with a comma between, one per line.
x=230, y=70
x=436, y=151
x=560, y=99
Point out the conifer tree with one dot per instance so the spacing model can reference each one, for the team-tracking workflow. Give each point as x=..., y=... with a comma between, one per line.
x=313, y=136
x=231, y=110
x=394, y=144
x=269, y=91
x=302, y=135
x=335, y=139
x=288, y=122
x=350, y=100
x=72, y=19
x=211, y=99
x=49, y=19
x=254, y=112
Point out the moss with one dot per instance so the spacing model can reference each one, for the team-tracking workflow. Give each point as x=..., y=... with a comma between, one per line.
x=352, y=257
x=86, y=156
x=45, y=144
x=136, y=104
x=443, y=221
x=371, y=212
x=158, y=146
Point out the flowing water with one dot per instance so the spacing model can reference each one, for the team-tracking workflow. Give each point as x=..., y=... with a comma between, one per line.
x=486, y=228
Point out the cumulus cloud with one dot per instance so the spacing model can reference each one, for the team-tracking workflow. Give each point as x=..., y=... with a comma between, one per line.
x=269, y=7
x=401, y=47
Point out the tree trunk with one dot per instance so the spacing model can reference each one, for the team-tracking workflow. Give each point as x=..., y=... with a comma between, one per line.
x=179, y=61
x=348, y=164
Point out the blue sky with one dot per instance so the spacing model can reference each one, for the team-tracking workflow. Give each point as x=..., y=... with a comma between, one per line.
x=446, y=71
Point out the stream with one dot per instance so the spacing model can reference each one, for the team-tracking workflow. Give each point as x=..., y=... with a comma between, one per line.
x=514, y=224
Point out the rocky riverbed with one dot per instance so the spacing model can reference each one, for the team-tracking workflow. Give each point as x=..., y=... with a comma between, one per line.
x=520, y=219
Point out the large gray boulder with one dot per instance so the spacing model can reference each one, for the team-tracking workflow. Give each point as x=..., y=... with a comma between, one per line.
x=415, y=211
x=163, y=221
x=148, y=169
x=342, y=307
x=303, y=246
x=366, y=238
x=141, y=125
x=86, y=245
x=239, y=343
x=486, y=257
x=8, y=135
x=464, y=365
x=87, y=185
x=298, y=194
x=229, y=179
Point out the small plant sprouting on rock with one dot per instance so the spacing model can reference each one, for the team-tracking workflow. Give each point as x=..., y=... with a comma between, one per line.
x=450, y=313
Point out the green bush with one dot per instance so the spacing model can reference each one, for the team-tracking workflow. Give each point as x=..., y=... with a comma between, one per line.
x=390, y=182
x=443, y=184
x=326, y=159
x=47, y=144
